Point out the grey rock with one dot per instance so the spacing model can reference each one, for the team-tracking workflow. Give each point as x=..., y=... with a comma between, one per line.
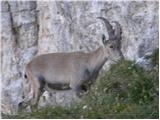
x=4, y=6
x=17, y=6
x=30, y=28
x=23, y=18
x=27, y=35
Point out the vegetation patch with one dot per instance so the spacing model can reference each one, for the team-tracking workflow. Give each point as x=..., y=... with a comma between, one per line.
x=125, y=91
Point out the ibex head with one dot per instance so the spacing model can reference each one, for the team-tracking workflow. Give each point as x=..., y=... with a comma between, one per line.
x=112, y=46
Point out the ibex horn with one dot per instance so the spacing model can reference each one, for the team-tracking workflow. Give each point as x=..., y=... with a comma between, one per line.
x=109, y=28
x=118, y=31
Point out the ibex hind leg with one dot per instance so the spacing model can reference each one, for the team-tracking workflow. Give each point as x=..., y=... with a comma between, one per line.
x=38, y=87
x=78, y=91
x=24, y=104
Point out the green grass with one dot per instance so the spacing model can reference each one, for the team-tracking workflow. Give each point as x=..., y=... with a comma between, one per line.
x=155, y=57
x=125, y=91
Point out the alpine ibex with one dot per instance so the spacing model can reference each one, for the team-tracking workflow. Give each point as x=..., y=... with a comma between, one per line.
x=73, y=69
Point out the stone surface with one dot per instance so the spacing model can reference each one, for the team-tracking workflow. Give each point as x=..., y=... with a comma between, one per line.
x=29, y=28
x=19, y=33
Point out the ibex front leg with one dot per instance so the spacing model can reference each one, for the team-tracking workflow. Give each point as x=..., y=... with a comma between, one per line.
x=77, y=87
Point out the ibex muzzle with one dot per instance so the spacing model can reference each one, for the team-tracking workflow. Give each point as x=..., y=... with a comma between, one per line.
x=49, y=71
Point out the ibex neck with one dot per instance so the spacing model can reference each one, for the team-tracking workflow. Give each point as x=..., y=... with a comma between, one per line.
x=98, y=58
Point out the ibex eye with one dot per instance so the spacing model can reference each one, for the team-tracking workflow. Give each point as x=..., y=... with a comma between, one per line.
x=111, y=46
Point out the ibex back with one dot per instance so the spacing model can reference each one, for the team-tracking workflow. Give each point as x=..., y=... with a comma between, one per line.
x=73, y=69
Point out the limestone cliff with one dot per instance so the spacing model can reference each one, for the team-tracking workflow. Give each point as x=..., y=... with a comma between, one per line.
x=29, y=28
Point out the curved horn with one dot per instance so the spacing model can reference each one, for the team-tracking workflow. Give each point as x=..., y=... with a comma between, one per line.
x=109, y=28
x=118, y=31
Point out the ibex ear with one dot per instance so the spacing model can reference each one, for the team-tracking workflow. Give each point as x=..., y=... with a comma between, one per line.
x=104, y=41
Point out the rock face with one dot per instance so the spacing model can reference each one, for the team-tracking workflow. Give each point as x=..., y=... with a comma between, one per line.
x=29, y=28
